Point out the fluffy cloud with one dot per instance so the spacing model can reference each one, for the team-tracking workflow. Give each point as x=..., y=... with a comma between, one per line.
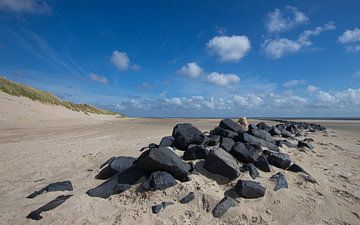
x=25, y=6
x=293, y=83
x=279, y=47
x=319, y=103
x=98, y=78
x=122, y=61
x=191, y=70
x=282, y=20
x=222, y=79
x=351, y=40
x=229, y=48
x=311, y=89
x=346, y=98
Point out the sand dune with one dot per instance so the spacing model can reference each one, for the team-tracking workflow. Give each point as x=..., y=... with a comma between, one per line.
x=40, y=144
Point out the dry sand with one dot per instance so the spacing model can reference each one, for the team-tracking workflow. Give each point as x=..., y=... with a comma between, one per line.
x=48, y=143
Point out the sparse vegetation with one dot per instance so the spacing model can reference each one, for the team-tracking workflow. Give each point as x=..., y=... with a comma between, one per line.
x=16, y=89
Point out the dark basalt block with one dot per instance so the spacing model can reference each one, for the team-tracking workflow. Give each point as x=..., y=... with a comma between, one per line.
x=156, y=208
x=218, y=161
x=114, y=166
x=280, y=181
x=229, y=124
x=188, y=198
x=244, y=152
x=221, y=208
x=226, y=143
x=164, y=159
x=186, y=134
x=280, y=160
x=249, y=189
x=168, y=141
x=195, y=152
x=159, y=180
x=262, y=164
x=259, y=142
x=253, y=172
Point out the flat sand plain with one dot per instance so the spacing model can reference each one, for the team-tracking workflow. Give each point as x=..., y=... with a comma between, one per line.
x=43, y=144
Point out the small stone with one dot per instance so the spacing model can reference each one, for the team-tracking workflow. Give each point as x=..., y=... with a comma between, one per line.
x=249, y=189
x=188, y=198
x=280, y=181
x=221, y=208
x=156, y=208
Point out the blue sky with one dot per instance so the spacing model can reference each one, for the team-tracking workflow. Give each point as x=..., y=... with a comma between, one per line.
x=188, y=58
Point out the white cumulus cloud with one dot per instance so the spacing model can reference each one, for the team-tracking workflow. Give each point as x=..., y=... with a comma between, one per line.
x=222, y=79
x=229, y=48
x=279, y=47
x=191, y=70
x=98, y=78
x=351, y=40
x=25, y=6
x=122, y=61
x=282, y=20
x=311, y=89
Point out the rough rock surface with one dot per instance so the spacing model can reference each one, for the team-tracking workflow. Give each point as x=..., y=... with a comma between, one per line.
x=195, y=152
x=281, y=160
x=249, y=189
x=229, y=124
x=159, y=180
x=220, y=162
x=168, y=141
x=186, y=134
x=164, y=159
x=226, y=143
x=280, y=181
x=114, y=166
x=262, y=164
x=244, y=152
x=188, y=198
x=221, y=208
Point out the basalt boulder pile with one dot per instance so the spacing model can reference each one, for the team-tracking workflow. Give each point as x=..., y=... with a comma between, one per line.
x=228, y=150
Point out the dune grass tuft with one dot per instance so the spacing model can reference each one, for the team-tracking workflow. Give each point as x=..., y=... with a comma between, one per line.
x=16, y=89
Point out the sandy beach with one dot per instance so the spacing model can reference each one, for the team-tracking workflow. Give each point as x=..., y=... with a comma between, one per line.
x=48, y=144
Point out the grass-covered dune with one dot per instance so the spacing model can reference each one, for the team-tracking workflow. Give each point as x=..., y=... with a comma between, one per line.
x=17, y=89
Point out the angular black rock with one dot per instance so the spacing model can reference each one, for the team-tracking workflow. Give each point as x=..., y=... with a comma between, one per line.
x=280, y=160
x=259, y=142
x=280, y=143
x=262, y=134
x=263, y=126
x=214, y=140
x=35, y=215
x=166, y=204
x=118, y=183
x=280, y=181
x=188, y=198
x=168, y=141
x=159, y=180
x=249, y=189
x=186, y=134
x=244, y=152
x=253, y=172
x=114, y=166
x=221, y=208
x=275, y=131
x=262, y=164
x=223, y=132
x=226, y=143
x=156, y=208
x=218, y=161
x=296, y=168
x=229, y=124
x=57, y=186
x=286, y=134
x=306, y=144
x=164, y=159
x=195, y=152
